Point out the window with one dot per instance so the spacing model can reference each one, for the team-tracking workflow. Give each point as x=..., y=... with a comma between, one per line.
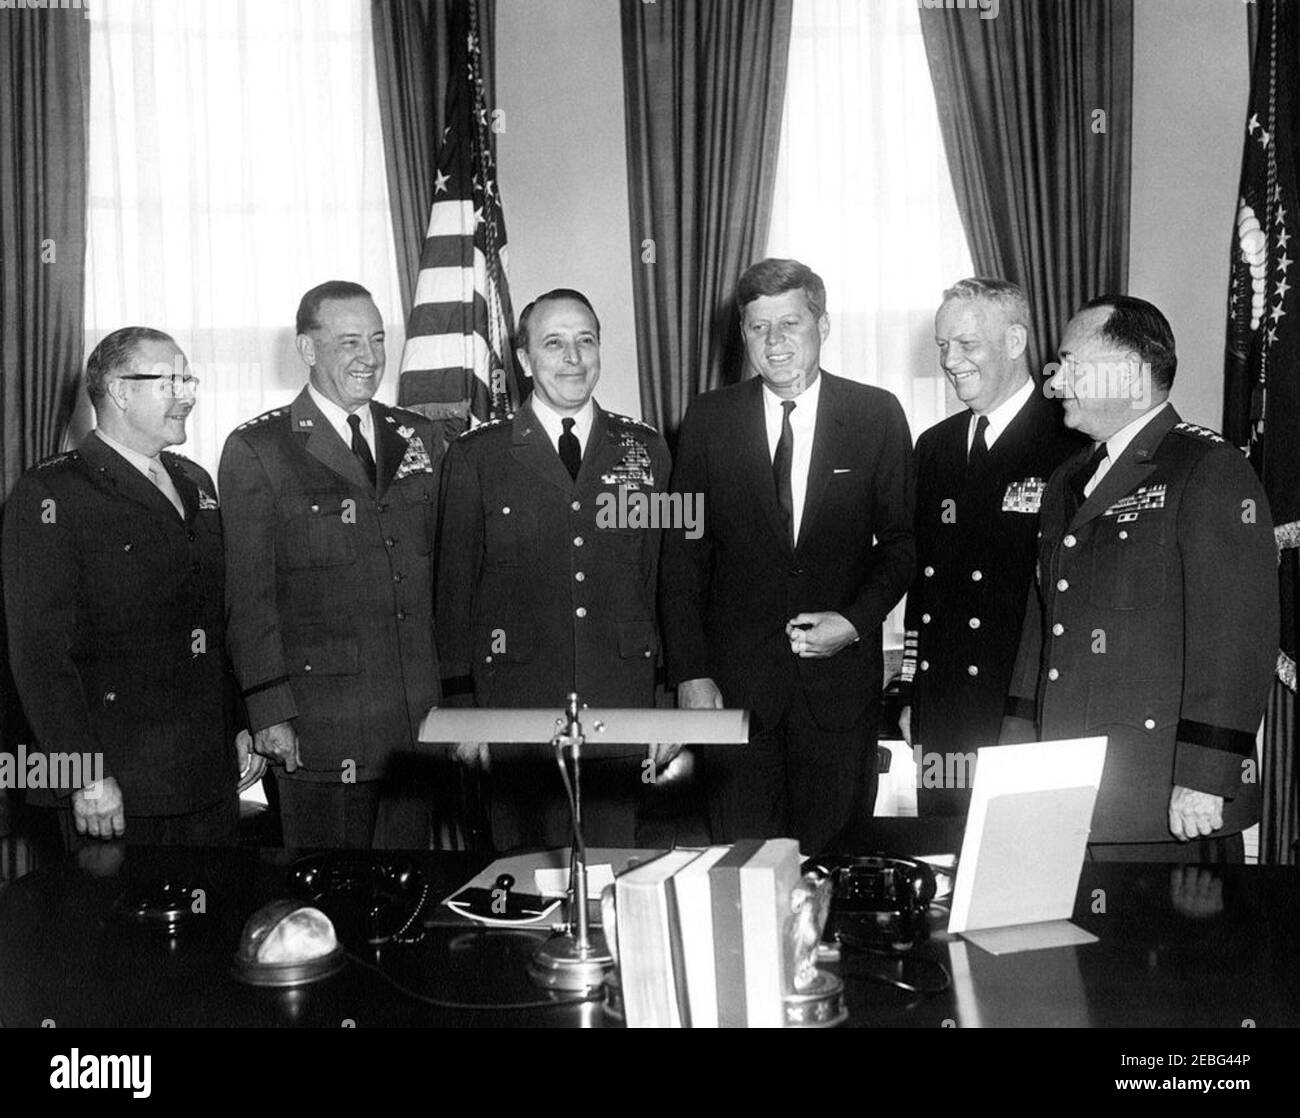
x=235, y=161
x=864, y=197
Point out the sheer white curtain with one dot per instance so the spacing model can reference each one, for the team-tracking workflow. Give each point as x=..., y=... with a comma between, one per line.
x=863, y=194
x=235, y=161
x=864, y=198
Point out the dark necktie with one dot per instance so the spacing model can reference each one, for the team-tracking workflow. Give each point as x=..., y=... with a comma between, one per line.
x=361, y=448
x=781, y=463
x=1078, y=480
x=978, y=459
x=570, y=451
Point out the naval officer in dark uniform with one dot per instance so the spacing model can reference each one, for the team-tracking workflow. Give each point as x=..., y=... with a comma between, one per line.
x=1154, y=619
x=980, y=480
x=330, y=510
x=113, y=576
x=546, y=575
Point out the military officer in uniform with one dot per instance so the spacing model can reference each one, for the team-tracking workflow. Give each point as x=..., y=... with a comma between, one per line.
x=546, y=574
x=113, y=577
x=980, y=480
x=1154, y=620
x=330, y=509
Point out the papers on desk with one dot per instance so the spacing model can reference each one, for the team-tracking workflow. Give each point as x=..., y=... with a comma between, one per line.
x=1026, y=833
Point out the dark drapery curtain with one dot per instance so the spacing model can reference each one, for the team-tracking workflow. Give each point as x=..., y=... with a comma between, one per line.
x=412, y=63
x=45, y=76
x=705, y=87
x=1043, y=191
x=44, y=92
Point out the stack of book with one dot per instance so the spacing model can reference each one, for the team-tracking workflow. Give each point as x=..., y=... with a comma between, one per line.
x=703, y=936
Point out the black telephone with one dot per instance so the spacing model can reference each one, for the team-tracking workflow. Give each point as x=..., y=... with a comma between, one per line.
x=876, y=899
x=392, y=892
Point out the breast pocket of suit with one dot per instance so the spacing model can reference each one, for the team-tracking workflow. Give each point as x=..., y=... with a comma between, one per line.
x=509, y=533
x=621, y=545
x=414, y=501
x=1131, y=561
x=319, y=530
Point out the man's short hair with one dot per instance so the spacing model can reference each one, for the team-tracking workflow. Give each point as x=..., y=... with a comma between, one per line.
x=309, y=307
x=775, y=276
x=555, y=295
x=1004, y=294
x=116, y=352
x=1138, y=325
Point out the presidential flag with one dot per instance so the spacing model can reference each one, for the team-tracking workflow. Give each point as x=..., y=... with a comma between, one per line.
x=458, y=366
x=1261, y=412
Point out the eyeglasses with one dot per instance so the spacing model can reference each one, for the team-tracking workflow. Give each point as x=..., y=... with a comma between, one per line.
x=177, y=384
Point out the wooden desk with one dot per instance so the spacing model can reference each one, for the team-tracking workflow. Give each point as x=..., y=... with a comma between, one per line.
x=1177, y=947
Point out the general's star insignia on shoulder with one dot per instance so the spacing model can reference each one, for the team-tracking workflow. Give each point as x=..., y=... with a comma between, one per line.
x=486, y=425
x=631, y=422
x=58, y=459
x=1197, y=431
x=265, y=417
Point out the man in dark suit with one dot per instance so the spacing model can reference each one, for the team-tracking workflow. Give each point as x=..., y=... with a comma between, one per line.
x=113, y=576
x=330, y=520
x=980, y=476
x=546, y=574
x=1155, y=616
x=807, y=486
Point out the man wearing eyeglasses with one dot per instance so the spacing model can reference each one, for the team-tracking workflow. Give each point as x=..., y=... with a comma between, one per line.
x=113, y=578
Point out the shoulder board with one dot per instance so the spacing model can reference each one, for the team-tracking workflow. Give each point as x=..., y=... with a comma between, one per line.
x=58, y=459
x=630, y=422
x=179, y=458
x=1198, y=432
x=487, y=425
x=404, y=416
x=263, y=419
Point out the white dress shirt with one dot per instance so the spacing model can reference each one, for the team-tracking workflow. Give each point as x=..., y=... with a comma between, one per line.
x=553, y=422
x=338, y=419
x=1000, y=417
x=1119, y=442
x=803, y=425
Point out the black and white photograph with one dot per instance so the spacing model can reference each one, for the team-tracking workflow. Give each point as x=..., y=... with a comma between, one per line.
x=648, y=514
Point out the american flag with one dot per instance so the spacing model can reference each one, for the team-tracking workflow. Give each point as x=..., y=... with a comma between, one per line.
x=457, y=365
x=1261, y=411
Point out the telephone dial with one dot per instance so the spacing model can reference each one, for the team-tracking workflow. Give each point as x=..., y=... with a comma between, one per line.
x=392, y=893
x=876, y=900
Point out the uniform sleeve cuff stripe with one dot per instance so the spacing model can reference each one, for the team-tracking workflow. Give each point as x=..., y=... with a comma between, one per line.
x=1238, y=742
x=265, y=686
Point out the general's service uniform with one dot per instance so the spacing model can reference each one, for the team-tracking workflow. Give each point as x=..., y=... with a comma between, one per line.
x=546, y=585
x=116, y=630
x=1154, y=622
x=976, y=540
x=331, y=612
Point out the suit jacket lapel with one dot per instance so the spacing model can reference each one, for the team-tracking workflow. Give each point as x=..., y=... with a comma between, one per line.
x=323, y=442
x=757, y=462
x=188, y=491
x=125, y=480
x=1129, y=471
x=603, y=451
x=531, y=447
x=391, y=447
